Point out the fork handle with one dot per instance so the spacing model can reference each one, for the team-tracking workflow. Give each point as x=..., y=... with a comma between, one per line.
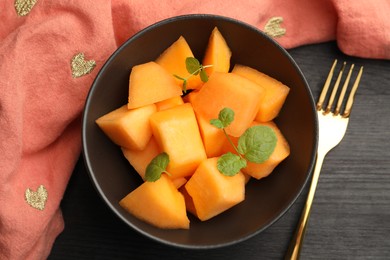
x=295, y=246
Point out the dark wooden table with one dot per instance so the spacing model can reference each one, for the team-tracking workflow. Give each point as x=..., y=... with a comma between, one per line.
x=350, y=217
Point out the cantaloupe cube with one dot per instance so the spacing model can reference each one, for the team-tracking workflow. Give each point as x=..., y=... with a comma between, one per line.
x=173, y=59
x=190, y=96
x=247, y=177
x=233, y=91
x=168, y=103
x=275, y=92
x=141, y=159
x=281, y=152
x=128, y=128
x=150, y=83
x=179, y=182
x=212, y=192
x=158, y=203
x=227, y=147
x=177, y=133
x=188, y=200
x=217, y=53
x=213, y=138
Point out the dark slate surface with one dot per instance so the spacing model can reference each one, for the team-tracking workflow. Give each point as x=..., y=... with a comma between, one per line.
x=350, y=217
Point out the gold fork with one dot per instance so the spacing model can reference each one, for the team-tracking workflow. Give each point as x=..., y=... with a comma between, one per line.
x=332, y=127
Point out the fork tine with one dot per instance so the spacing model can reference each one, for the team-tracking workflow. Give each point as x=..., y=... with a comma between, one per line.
x=335, y=88
x=326, y=86
x=343, y=90
x=349, y=104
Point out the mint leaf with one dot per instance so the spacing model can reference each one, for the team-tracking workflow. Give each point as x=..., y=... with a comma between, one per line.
x=193, y=65
x=203, y=75
x=226, y=116
x=217, y=123
x=156, y=167
x=230, y=164
x=257, y=143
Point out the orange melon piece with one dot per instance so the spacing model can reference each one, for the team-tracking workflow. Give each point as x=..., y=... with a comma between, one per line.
x=177, y=133
x=217, y=53
x=179, y=182
x=168, y=103
x=212, y=192
x=281, y=152
x=275, y=92
x=229, y=90
x=188, y=200
x=173, y=59
x=140, y=159
x=213, y=138
x=247, y=177
x=227, y=147
x=150, y=83
x=190, y=96
x=158, y=203
x=128, y=128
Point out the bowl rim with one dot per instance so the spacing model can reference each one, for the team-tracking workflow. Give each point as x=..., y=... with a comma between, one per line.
x=88, y=164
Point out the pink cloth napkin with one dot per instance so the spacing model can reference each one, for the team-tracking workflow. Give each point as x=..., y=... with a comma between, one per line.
x=50, y=52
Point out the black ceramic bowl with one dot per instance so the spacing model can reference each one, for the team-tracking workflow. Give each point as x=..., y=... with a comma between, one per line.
x=266, y=200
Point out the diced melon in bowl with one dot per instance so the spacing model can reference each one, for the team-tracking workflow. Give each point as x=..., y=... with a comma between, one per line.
x=128, y=128
x=189, y=97
x=217, y=53
x=179, y=182
x=173, y=59
x=261, y=170
x=168, y=103
x=113, y=177
x=212, y=137
x=233, y=91
x=212, y=192
x=158, y=203
x=177, y=133
x=140, y=159
x=247, y=177
x=150, y=83
x=275, y=92
x=281, y=152
x=188, y=200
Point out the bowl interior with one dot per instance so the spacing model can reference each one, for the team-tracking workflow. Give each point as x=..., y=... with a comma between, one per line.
x=267, y=199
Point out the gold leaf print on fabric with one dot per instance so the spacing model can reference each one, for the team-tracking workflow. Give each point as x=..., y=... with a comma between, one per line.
x=23, y=7
x=36, y=199
x=80, y=66
x=273, y=27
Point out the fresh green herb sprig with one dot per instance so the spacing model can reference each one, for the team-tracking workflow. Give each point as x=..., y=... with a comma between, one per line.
x=255, y=145
x=157, y=166
x=194, y=67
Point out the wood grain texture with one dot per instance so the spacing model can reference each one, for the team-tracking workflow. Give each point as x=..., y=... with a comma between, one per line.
x=350, y=218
